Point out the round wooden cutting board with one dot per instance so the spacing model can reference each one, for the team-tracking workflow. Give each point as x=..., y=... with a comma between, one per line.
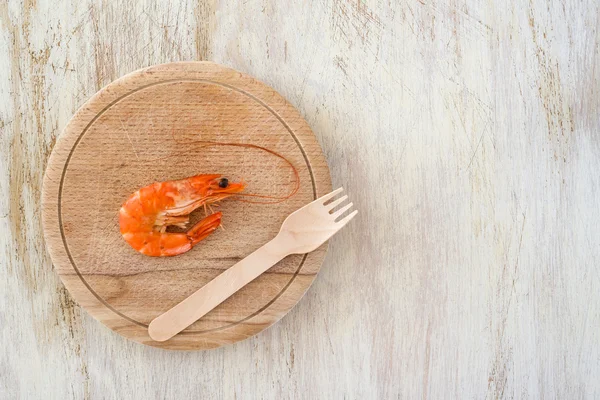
x=146, y=127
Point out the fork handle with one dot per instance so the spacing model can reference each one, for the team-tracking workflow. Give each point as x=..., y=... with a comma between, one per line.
x=218, y=290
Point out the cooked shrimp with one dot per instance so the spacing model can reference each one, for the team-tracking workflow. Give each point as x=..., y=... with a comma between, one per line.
x=145, y=216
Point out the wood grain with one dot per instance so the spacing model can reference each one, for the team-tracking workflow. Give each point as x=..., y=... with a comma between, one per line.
x=466, y=132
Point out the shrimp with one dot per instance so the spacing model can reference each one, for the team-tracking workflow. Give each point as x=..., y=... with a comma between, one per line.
x=146, y=214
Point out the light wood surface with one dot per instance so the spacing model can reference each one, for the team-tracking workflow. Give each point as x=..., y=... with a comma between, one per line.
x=303, y=231
x=467, y=134
x=153, y=125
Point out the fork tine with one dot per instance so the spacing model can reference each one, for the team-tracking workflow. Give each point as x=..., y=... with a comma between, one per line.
x=334, y=203
x=340, y=224
x=341, y=211
x=323, y=199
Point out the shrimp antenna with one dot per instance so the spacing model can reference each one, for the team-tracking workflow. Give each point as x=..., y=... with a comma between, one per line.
x=275, y=199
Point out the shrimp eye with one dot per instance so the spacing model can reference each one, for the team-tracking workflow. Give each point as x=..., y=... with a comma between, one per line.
x=223, y=183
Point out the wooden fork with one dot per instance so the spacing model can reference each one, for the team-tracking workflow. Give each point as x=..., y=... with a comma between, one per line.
x=302, y=231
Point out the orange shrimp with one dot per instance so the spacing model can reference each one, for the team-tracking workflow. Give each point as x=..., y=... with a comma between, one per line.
x=145, y=216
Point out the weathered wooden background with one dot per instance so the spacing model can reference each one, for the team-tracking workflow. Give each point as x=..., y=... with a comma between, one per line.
x=467, y=132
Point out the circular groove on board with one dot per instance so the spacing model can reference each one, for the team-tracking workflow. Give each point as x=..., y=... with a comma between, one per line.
x=67, y=165
x=231, y=329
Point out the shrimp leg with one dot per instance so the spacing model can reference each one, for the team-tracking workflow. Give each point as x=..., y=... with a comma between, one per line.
x=204, y=228
x=169, y=220
x=185, y=210
x=172, y=244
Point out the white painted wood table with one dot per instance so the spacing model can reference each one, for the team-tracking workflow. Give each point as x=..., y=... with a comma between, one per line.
x=466, y=132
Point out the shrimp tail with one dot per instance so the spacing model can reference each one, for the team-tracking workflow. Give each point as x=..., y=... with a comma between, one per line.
x=204, y=228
